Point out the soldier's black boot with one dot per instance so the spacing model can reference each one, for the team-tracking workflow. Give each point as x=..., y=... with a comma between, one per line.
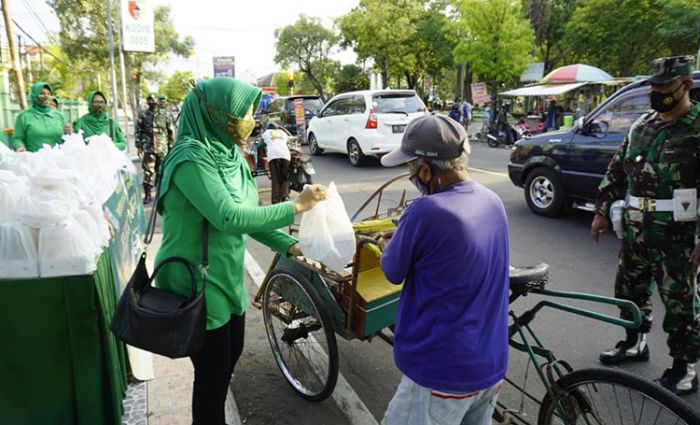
x=634, y=348
x=147, y=195
x=680, y=379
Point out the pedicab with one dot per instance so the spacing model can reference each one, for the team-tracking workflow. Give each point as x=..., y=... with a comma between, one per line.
x=306, y=305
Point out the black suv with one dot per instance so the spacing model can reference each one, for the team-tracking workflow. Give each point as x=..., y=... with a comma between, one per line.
x=281, y=111
x=564, y=168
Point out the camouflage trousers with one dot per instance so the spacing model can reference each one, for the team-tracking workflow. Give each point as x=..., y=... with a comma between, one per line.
x=655, y=253
x=150, y=164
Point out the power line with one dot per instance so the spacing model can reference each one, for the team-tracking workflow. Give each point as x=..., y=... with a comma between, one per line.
x=45, y=49
x=31, y=10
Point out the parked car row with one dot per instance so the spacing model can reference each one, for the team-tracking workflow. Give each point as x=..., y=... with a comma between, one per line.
x=563, y=169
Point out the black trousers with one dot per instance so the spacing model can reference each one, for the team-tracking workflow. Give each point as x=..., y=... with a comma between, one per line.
x=213, y=367
x=279, y=172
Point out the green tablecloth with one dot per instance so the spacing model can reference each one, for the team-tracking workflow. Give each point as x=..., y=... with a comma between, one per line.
x=59, y=363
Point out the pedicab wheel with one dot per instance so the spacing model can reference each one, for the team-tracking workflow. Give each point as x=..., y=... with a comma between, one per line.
x=608, y=396
x=301, y=334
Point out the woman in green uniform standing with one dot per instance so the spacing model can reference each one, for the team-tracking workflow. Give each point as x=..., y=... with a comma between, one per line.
x=206, y=178
x=39, y=125
x=97, y=122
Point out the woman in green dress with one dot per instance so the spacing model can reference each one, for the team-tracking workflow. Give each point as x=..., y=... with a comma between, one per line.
x=206, y=178
x=97, y=121
x=39, y=125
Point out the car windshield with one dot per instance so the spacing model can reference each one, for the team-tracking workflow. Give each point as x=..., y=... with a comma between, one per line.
x=312, y=105
x=397, y=103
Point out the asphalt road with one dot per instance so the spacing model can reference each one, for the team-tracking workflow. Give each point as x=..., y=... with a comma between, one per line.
x=564, y=243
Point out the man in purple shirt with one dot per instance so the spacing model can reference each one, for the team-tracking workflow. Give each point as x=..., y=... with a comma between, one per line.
x=451, y=252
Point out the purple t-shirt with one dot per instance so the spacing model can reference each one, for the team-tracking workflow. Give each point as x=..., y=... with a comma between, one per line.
x=451, y=249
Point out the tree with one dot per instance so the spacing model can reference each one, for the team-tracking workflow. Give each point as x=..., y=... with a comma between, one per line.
x=382, y=31
x=679, y=26
x=350, y=78
x=495, y=39
x=302, y=85
x=549, y=19
x=83, y=39
x=306, y=44
x=177, y=86
x=618, y=36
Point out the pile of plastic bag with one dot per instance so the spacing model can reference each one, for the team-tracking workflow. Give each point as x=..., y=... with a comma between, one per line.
x=51, y=217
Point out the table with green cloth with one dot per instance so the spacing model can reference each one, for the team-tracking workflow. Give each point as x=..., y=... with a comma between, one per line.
x=59, y=362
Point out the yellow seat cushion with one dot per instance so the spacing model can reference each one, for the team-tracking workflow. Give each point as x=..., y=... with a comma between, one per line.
x=372, y=285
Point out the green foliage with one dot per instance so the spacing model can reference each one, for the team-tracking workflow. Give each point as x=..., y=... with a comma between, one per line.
x=302, y=85
x=495, y=39
x=549, y=19
x=177, y=86
x=350, y=78
x=679, y=26
x=84, y=41
x=307, y=44
x=615, y=35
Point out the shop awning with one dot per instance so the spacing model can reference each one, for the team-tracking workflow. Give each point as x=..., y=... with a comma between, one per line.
x=543, y=90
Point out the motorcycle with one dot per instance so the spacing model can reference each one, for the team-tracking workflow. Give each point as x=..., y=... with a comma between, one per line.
x=500, y=132
x=300, y=167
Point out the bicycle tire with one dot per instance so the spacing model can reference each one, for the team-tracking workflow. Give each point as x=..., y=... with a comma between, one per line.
x=616, y=386
x=292, y=302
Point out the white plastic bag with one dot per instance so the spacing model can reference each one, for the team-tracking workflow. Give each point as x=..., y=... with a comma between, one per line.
x=12, y=188
x=66, y=249
x=326, y=234
x=18, y=254
x=48, y=200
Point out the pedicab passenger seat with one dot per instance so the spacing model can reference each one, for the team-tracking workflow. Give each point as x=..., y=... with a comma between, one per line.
x=522, y=279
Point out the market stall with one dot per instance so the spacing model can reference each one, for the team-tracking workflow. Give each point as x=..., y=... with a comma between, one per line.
x=70, y=230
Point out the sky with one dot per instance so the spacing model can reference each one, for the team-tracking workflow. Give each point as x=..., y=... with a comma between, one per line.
x=244, y=30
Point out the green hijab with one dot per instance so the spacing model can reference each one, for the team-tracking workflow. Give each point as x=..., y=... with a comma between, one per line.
x=199, y=138
x=93, y=122
x=34, y=97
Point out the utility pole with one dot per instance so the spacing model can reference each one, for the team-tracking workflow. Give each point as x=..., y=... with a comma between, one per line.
x=111, y=60
x=123, y=73
x=16, y=67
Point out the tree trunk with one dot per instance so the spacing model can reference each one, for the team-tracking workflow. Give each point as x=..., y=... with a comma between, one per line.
x=317, y=85
x=16, y=66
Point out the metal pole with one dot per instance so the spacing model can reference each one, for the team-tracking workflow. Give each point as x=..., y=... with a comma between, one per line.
x=16, y=66
x=123, y=75
x=111, y=60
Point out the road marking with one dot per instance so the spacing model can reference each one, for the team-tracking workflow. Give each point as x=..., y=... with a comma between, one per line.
x=345, y=397
x=495, y=173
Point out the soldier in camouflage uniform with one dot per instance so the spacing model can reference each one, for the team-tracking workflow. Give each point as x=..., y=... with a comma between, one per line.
x=658, y=161
x=154, y=136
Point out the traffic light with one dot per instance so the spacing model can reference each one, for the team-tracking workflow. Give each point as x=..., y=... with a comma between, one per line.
x=290, y=83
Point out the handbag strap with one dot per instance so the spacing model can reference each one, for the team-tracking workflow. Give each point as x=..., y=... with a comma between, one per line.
x=150, y=230
x=205, y=252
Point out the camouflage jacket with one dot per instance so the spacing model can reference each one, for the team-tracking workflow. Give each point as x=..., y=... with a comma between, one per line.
x=152, y=127
x=655, y=158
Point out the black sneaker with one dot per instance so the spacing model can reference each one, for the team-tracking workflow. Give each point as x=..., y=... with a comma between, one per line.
x=147, y=199
x=633, y=349
x=680, y=379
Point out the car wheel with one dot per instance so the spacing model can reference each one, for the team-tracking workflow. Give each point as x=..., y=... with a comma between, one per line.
x=355, y=154
x=544, y=192
x=313, y=145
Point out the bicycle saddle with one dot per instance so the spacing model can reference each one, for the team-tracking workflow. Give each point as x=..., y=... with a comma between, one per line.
x=529, y=274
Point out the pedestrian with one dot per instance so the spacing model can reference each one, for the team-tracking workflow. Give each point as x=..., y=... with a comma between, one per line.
x=278, y=159
x=164, y=107
x=552, y=115
x=466, y=113
x=154, y=136
x=450, y=251
x=97, y=121
x=39, y=125
x=656, y=171
x=54, y=103
x=454, y=112
x=206, y=178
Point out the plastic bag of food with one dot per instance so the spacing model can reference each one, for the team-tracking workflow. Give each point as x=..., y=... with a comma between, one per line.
x=47, y=200
x=326, y=234
x=18, y=253
x=12, y=188
x=66, y=249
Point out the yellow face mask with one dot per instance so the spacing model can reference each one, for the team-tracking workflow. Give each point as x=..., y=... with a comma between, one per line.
x=238, y=129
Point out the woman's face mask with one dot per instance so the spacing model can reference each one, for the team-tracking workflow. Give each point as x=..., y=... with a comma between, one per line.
x=44, y=97
x=98, y=106
x=238, y=129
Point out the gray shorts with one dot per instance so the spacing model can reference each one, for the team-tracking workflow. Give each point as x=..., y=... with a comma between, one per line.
x=416, y=405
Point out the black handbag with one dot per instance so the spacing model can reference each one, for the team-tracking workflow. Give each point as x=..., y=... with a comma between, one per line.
x=157, y=320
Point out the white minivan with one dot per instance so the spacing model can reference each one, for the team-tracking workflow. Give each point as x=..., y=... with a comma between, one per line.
x=364, y=123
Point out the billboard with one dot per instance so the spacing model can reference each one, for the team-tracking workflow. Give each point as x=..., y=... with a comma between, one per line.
x=224, y=66
x=137, y=26
x=480, y=94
